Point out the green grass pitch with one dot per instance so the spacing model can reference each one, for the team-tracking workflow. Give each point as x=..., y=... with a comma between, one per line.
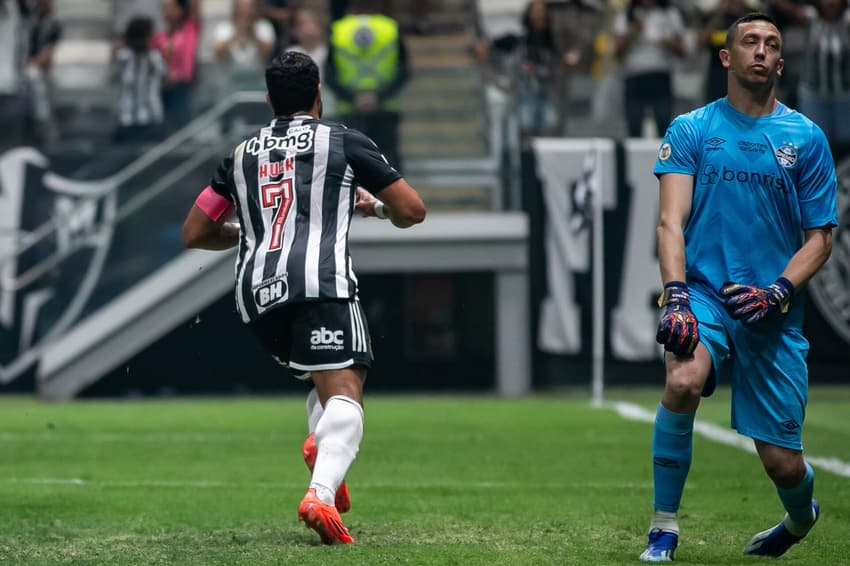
x=439, y=480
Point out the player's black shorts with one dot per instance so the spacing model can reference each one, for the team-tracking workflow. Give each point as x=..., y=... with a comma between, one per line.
x=316, y=336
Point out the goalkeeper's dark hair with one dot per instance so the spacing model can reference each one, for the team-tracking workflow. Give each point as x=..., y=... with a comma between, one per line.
x=292, y=80
x=745, y=19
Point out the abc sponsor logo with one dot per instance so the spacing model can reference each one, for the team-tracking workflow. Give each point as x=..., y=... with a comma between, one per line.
x=324, y=339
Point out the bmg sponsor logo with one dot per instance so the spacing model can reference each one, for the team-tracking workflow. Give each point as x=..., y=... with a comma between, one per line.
x=324, y=339
x=296, y=139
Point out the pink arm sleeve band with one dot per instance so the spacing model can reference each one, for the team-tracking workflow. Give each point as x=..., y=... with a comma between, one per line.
x=214, y=205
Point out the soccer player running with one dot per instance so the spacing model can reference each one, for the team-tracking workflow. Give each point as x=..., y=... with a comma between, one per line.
x=747, y=207
x=294, y=187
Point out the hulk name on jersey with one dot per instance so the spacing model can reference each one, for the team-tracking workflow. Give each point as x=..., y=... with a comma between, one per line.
x=758, y=183
x=293, y=187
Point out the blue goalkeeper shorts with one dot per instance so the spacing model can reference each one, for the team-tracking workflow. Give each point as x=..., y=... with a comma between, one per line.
x=766, y=365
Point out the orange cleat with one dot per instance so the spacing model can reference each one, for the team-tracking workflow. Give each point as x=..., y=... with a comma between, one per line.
x=309, y=450
x=324, y=519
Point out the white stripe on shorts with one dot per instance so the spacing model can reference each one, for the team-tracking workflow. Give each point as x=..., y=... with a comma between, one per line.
x=355, y=329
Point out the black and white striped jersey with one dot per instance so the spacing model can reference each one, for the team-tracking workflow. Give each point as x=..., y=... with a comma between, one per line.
x=293, y=185
x=827, y=69
x=140, y=76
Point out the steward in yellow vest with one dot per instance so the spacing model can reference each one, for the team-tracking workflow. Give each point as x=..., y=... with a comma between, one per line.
x=365, y=69
x=366, y=55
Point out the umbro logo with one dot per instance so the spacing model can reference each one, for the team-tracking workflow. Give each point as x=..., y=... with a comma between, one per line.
x=666, y=462
x=791, y=424
x=714, y=143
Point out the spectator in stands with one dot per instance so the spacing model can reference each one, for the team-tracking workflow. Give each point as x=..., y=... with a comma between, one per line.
x=791, y=17
x=139, y=69
x=646, y=36
x=279, y=14
x=575, y=26
x=713, y=37
x=44, y=34
x=366, y=68
x=309, y=36
x=539, y=57
x=246, y=42
x=824, y=92
x=528, y=63
x=179, y=46
x=12, y=97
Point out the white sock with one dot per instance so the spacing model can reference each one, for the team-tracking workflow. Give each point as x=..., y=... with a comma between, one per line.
x=338, y=435
x=666, y=521
x=314, y=410
x=798, y=529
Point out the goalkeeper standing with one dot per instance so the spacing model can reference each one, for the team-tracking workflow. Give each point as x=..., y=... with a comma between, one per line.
x=294, y=187
x=747, y=207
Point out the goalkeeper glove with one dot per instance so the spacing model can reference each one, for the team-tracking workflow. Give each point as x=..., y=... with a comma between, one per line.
x=752, y=304
x=677, y=328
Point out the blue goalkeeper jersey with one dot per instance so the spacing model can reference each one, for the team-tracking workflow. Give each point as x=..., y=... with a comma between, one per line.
x=758, y=183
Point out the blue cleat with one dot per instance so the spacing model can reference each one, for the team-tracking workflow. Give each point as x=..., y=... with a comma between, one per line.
x=661, y=546
x=777, y=540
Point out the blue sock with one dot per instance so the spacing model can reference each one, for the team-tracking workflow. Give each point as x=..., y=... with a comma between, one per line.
x=798, y=500
x=672, y=447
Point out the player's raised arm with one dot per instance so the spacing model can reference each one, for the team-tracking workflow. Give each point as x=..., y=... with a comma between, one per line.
x=201, y=231
x=398, y=201
x=206, y=226
x=383, y=192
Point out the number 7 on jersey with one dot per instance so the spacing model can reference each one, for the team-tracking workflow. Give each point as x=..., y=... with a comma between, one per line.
x=277, y=195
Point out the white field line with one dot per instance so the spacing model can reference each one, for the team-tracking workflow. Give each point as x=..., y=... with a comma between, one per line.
x=407, y=486
x=727, y=436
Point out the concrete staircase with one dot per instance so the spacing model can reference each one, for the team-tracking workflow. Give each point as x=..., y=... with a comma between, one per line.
x=444, y=131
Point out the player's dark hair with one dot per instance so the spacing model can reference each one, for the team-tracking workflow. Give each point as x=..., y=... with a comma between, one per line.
x=292, y=79
x=745, y=19
x=138, y=33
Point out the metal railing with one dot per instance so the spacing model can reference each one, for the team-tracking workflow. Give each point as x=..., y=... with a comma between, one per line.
x=102, y=187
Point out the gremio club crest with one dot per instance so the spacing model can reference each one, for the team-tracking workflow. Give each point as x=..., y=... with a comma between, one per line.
x=830, y=288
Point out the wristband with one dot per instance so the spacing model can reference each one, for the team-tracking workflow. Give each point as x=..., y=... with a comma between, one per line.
x=674, y=292
x=379, y=210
